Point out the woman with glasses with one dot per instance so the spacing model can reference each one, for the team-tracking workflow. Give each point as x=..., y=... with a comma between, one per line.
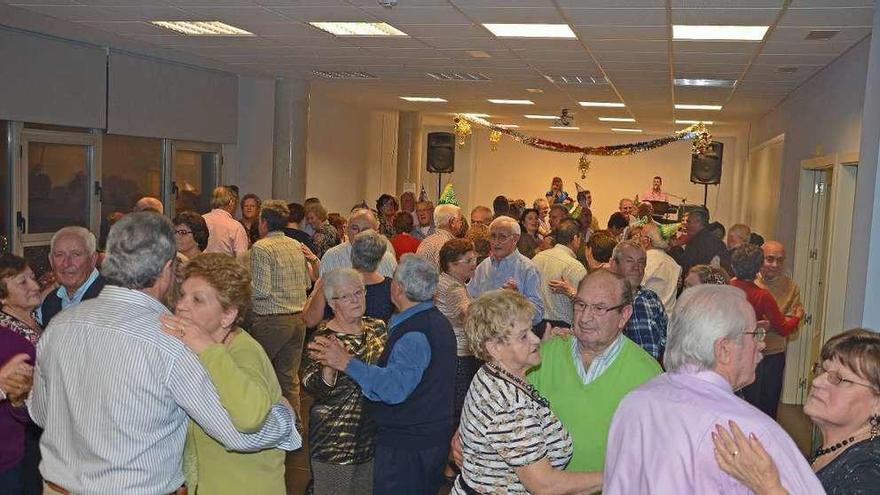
x=191, y=234
x=341, y=434
x=844, y=404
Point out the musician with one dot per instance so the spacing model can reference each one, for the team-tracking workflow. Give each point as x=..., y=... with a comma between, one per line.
x=655, y=193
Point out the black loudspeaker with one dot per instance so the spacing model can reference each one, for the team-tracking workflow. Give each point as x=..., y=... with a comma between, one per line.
x=706, y=168
x=441, y=152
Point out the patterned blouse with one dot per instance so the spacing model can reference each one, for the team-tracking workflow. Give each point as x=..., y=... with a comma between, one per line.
x=340, y=430
x=324, y=238
x=452, y=299
x=19, y=327
x=504, y=427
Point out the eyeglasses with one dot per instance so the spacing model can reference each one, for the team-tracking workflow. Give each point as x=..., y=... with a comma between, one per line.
x=759, y=334
x=497, y=236
x=467, y=261
x=183, y=232
x=834, y=377
x=353, y=297
x=598, y=309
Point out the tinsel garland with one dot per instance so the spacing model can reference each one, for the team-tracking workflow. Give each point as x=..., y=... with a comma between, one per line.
x=697, y=132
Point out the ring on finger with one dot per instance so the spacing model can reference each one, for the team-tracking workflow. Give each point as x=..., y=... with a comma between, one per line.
x=734, y=453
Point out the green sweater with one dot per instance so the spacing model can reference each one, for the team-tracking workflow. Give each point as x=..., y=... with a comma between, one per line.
x=586, y=410
x=247, y=387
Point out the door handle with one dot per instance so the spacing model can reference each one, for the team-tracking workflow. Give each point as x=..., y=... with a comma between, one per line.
x=21, y=222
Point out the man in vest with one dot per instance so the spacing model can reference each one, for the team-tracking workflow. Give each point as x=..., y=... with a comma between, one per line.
x=410, y=389
x=72, y=257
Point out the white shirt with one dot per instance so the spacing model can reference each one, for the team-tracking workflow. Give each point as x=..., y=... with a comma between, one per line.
x=340, y=257
x=225, y=234
x=661, y=276
x=558, y=261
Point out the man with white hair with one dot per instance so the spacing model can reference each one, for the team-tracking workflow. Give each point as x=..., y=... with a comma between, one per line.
x=507, y=268
x=647, y=325
x=661, y=271
x=447, y=219
x=737, y=235
x=72, y=257
x=339, y=256
x=660, y=440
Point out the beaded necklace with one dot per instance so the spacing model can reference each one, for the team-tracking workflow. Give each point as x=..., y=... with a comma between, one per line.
x=518, y=382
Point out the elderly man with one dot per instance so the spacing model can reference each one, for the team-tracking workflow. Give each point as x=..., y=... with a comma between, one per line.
x=115, y=393
x=627, y=208
x=557, y=213
x=661, y=271
x=561, y=273
x=647, y=325
x=661, y=436
x=587, y=373
x=737, y=235
x=410, y=389
x=280, y=272
x=425, y=218
x=225, y=233
x=447, y=218
x=72, y=257
x=149, y=203
x=543, y=207
x=702, y=248
x=340, y=256
x=506, y=268
x=481, y=215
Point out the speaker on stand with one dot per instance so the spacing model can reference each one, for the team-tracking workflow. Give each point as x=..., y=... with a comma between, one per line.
x=441, y=156
x=706, y=168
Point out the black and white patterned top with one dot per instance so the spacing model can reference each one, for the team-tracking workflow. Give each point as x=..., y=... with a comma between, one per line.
x=502, y=428
x=855, y=472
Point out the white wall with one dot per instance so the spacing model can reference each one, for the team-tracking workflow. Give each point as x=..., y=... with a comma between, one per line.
x=248, y=163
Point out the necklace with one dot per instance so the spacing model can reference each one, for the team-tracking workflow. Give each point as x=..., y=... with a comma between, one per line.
x=525, y=386
x=827, y=450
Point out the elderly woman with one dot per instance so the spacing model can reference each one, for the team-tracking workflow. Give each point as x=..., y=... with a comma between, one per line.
x=530, y=242
x=706, y=274
x=19, y=333
x=387, y=207
x=367, y=250
x=250, y=216
x=325, y=236
x=190, y=233
x=214, y=296
x=844, y=404
x=341, y=433
x=511, y=441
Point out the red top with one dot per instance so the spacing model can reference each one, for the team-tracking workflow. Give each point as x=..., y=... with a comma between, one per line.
x=766, y=307
x=404, y=243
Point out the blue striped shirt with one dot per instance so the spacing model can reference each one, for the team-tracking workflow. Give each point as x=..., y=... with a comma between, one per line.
x=599, y=363
x=113, y=393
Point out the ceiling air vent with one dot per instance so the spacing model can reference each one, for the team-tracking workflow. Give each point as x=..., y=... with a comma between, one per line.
x=821, y=34
x=344, y=74
x=459, y=76
x=581, y=80
x=787, y=70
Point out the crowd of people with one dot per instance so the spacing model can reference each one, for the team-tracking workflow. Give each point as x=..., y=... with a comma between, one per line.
x=516, y=350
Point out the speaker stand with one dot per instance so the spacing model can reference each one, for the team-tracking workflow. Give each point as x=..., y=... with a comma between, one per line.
x=439, y=185
x=705, y=194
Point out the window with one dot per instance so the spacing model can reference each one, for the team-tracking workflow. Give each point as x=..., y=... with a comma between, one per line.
x=5, y=189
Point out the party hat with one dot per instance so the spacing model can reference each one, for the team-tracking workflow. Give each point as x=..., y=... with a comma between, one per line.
x=579, y=188
x=448, y=196
x=667, y=230
x=423, y=195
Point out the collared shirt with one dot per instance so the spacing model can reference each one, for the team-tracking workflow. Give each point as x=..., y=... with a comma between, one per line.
x=422, y=233
x=599, y=364
x=491, y=275
x=409, y=358
x=661, y=276
x=67, y=302
x=660, y=441
x=553, y=264
x=430, y=247
x=280, y=275
x=114, y=395
x=788, y=297
x=647, y=325
x=225, y=234
x=340, y=257
x=651, y=195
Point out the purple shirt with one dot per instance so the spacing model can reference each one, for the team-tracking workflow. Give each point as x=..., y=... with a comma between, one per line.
x=12, y=419
x=660, y=440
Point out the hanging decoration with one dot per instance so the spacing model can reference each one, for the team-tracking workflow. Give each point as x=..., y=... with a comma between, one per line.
x=462, y=129
x=697, y=132
x=494, y=138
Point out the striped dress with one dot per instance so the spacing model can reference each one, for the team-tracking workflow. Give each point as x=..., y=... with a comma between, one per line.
x=502, y=428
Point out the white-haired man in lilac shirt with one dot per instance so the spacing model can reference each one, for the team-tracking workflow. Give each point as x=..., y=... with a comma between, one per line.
x=660, y=440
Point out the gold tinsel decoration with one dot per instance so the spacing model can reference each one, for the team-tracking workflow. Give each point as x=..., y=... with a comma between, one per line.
x=494, y=138
x=462, y=130
x=584, y=166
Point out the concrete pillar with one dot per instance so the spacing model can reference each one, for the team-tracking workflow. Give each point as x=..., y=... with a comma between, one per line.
x=863, y=280
x=291, y=139
x=409, y=149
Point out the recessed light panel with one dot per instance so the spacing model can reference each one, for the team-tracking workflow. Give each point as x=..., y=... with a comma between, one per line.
x=619, y=129
x=691, y=122
x=541, y=117
x=685, y=106
x=616, y=119
x=358, y=28
x=565, y=127
x=531, y=30
x=477, y=115
x=344, y=74
x=719, y=33
x=507, y=126
x=202, y=28
x=459, y=76
x=603, y=104
x=510, y=102
x=423, y=99
x=706, y=83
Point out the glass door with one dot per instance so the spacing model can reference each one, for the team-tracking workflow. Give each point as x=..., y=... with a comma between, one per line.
x=195, y=172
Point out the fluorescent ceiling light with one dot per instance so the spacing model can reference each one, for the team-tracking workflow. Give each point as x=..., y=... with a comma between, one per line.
x=618, y=129
x=531, y=30
x=511, y=102
x=719, y=33
x=565, y=127
x=616, y=119
x=424, y=99
x=358, y=28
x=690, y=122
x=202, y=28
x=534, y=90
x=682, y=106
x=542, y=117
x=604, y=104
x=478, y=115
x=706, y=83
x=507, y=126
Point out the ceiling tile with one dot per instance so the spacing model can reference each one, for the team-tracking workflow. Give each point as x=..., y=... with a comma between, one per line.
x=418, y=15
x=797, y=34
x=589, y=33
x=616, y=17
x=829, y=17
x=725, y=16
x=705, y=4
x=319, y=13
x=509, y=14
x=72, y=12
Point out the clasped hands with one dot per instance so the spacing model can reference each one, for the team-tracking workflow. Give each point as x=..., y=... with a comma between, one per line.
x=17, y=378
x=330, y=352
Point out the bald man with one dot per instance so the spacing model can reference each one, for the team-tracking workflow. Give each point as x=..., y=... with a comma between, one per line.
x=768, y=376
x=149, y=203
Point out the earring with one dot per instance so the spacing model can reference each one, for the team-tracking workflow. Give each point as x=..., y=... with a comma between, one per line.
x=874, y=421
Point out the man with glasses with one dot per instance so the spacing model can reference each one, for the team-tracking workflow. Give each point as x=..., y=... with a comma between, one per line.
x=506, y=268
x=447, y=218
x=661, y=438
